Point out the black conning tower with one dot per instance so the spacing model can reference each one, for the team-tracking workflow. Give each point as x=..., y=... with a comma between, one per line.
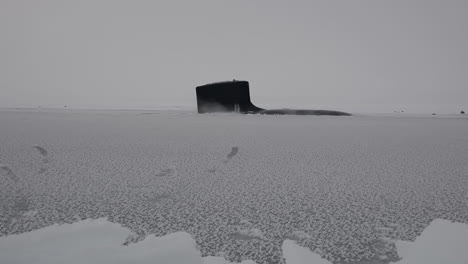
x=225, y=97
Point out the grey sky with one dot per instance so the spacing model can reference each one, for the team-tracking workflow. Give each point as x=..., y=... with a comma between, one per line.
x=352, y=55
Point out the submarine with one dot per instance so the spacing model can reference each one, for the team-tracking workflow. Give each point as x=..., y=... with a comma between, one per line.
x=234, y=96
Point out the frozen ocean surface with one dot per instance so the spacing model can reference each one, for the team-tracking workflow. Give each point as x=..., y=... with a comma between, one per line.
x=99, y=241
x=345, y=188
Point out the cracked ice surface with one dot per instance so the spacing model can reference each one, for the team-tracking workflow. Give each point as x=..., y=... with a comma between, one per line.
x=345, y=187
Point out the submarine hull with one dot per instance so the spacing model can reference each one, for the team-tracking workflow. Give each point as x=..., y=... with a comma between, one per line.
x=302, y=112
x=235, y=97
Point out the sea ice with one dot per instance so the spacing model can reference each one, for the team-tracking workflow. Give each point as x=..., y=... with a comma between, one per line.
x=100, y=241
x=441, y=242
x=295, y=254
x=351, y=185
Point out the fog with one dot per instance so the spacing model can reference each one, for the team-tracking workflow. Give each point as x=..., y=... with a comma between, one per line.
x=365, y=56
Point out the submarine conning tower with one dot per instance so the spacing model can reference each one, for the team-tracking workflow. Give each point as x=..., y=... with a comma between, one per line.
x=230, y=96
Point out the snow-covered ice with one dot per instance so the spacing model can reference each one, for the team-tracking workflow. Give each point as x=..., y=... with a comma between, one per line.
x=295, y=254
x=441, y=242
x=346, y=187
x=99, y=241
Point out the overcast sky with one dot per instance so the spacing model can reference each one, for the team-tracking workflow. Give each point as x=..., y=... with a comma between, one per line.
x=367, y=55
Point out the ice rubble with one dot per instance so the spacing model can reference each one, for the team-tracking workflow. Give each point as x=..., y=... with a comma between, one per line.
x=100, y=241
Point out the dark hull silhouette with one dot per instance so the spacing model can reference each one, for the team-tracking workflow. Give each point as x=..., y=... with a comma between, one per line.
x=225, y=97
x=302, y=112
x=235, y=97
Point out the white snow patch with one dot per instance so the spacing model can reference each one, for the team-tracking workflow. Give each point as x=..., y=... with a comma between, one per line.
x=403, y=248
x=441, y=242
x=295, y=254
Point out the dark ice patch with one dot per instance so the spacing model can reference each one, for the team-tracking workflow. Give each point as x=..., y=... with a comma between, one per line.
x=165, y=173
x=41, y=150
x=233, y=153
x=9, y=173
